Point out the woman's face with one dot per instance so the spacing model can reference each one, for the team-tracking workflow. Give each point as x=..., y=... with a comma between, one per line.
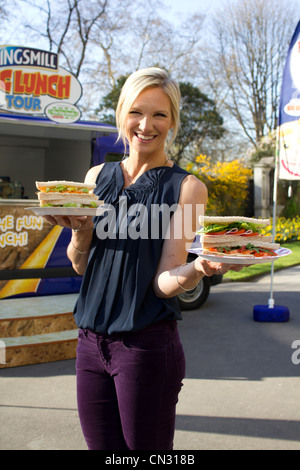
x=148, y=122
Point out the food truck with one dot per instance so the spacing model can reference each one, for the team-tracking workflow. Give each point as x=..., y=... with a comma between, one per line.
x=33, y=253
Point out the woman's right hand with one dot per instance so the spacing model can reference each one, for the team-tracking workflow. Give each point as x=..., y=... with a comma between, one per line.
x=76, y=223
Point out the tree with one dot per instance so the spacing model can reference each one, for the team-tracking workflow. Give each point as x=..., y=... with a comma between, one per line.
x=100, y=40
x=246, y=60
x=200, y=123
x=70, y=22
x=108, y=104
x=139, y=38
x=3, y=9
x=81, y=32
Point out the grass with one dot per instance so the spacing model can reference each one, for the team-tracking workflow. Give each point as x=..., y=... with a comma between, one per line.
x=256, y=270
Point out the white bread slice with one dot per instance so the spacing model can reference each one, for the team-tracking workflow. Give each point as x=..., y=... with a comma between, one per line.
x=62, y=203
x=208, y=220
x=242, y=240
x=73, y=184
x=66, y=197
x=69, y=199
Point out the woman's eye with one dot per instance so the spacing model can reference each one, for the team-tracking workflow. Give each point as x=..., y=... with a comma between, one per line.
x=134, y=112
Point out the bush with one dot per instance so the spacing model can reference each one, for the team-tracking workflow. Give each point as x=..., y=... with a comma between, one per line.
x=286, y=229
x=291, y=205
x=226, y=182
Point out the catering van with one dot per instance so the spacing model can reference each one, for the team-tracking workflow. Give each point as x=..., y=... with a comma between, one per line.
x=33, y=259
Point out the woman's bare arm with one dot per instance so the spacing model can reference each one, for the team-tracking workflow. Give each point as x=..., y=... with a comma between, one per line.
x=79, y=247
x=183, y=225
x=172, y=271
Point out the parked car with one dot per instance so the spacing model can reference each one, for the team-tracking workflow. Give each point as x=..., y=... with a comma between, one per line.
x=194, y=298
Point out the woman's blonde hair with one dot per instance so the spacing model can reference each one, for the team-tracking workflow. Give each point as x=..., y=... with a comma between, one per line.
x=138, y=82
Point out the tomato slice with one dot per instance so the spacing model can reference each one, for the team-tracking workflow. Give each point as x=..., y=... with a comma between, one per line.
x=257, y=253
x=218, y=233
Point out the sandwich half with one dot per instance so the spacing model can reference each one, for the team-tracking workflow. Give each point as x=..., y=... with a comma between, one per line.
x=66, y=194
x=236, y=236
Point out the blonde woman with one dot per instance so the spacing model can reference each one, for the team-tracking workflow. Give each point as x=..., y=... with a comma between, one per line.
x=130, y=361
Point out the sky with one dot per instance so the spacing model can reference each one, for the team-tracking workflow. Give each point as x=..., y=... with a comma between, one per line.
x=174, y=11
x=186, y=7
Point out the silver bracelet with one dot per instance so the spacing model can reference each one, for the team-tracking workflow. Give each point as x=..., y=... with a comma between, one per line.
x=80, y=252
x=181, y=287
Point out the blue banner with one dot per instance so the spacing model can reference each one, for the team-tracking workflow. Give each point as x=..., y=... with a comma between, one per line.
x=14, y=56
x=289, y=113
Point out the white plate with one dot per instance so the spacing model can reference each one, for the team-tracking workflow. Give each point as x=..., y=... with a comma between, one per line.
x=239, y=259
x=68, y=211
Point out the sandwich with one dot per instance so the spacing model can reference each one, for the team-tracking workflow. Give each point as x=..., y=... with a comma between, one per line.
x=66, y=194
x=236, y=236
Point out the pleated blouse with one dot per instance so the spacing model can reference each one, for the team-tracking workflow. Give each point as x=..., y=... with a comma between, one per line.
x=116, y=293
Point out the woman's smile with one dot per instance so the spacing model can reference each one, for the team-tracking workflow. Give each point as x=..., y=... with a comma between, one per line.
x=148, y=123
x=145, y=138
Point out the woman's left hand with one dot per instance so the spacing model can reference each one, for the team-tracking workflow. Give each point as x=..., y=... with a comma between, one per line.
x=209, y=268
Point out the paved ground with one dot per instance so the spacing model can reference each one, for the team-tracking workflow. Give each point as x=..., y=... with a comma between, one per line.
x=241, y=389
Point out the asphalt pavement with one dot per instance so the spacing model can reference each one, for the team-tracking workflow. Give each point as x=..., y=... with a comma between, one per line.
x=241, y=390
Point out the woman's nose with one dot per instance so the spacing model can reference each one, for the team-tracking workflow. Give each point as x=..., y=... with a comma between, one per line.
x=145, y=123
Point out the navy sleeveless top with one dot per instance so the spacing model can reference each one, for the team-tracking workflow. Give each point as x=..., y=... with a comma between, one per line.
x=116, y=293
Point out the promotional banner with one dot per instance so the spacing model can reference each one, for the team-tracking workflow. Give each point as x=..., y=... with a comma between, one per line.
x=31, y=82
x=289, y=113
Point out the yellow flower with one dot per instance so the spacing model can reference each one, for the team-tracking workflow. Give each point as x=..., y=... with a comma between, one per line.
x=227, y=184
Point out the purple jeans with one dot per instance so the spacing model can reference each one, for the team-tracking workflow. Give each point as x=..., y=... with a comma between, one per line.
x=128, y=386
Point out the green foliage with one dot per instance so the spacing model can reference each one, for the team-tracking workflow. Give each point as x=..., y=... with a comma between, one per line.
x=199, y=116
x=286, y=229
x=199, y=121
x=291, y=208
x=227, y=184
x=291, y=205
x=108, y=105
